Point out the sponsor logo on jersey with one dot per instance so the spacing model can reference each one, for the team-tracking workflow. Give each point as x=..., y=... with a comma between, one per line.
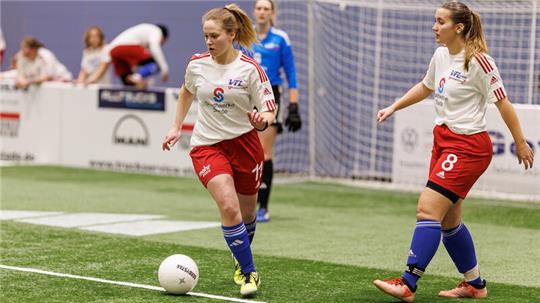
x=267, y=91
x=440, y=174
x=204, y=171
x=457, y=76
x=440, y=89
x=219, y=94
x=493, y=80
x=236, y=84
x=271, y=45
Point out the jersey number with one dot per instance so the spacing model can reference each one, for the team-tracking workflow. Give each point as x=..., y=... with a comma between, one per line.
x=448, y=164
x=258, y=170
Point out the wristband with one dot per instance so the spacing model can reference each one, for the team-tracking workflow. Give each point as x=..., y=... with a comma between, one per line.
x=264, y=128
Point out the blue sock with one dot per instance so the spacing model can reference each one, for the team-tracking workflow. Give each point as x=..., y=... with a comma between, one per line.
x=148, y=69
x=250, y=227
x=460, y=247
x=238, y=240
x=424, y=244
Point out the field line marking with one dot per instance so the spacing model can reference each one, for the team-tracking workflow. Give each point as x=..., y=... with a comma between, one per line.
x=151, y=287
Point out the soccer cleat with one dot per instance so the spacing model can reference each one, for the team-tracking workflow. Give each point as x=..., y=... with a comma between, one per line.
x=238, y=277
x=137, y=81
x=465, y=290
x=396, y=288
x=263, y=215
x=250, y=284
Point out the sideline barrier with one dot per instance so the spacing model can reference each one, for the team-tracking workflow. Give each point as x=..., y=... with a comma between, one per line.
x=105, y=128
x=413, y=139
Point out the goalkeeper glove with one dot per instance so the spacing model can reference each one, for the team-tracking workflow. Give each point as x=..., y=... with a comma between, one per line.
x=293, y=121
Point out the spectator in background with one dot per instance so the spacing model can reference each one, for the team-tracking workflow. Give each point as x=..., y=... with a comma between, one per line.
x=36, y=64
x=136, y=54
x=11, y=73
x=2, y=48
x=274, y=53
x=94, y=50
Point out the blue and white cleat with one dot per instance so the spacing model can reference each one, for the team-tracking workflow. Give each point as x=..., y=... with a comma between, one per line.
x=263, y=215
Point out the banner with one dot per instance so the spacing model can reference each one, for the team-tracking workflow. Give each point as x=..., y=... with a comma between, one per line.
x=62, y=124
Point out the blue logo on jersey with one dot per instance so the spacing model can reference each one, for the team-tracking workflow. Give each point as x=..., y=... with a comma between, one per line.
x=440, y=89
x=219, y=94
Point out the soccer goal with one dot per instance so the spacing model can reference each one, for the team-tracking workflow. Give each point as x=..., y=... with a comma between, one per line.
x=356, y=57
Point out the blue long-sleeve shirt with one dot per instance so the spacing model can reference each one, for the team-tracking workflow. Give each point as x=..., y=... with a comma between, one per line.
x=274, y=52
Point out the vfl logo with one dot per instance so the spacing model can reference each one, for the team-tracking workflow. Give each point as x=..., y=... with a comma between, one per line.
x=234, y=83
x=219, y=95
x=441, y=85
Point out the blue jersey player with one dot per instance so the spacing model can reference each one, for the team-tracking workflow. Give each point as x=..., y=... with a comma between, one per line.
x=274, y=53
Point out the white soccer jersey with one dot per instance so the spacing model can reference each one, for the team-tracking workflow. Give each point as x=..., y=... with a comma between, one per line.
x=145, y=34
x=462, y=97
x=45, y=63
x=225, y=93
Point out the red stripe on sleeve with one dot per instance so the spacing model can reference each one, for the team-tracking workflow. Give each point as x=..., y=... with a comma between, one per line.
x=262, y=74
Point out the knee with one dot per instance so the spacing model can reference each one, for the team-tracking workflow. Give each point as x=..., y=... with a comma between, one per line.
x=230, y=211
x=424, y=213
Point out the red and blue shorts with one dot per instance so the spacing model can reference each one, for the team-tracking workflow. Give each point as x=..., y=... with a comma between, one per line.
x=125, y=57
x=241, y=157
x=457, y=161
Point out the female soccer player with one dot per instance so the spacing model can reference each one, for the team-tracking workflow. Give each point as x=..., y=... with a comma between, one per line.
x=273, y=53
x=226, y=152
x=465, y=80
x=95, y=45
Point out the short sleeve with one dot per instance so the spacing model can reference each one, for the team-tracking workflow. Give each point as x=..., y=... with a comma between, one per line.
x=490, y=79
x=260, y=89
x=189, y=79
x=429, y=78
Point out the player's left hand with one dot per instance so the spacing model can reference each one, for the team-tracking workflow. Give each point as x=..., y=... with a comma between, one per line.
x=524, y=154
x=164, y=77
x=257, y=120
x=293, y=120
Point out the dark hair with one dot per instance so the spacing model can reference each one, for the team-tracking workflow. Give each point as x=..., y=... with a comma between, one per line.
x=31, y=42
x=472, y=29
x=234, y=19
x=164, y=31
x=100, y=33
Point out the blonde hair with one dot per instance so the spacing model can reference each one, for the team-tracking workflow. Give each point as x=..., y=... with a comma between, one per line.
x=234, y=19
x=274, y=9
x=87, y=36
x=472, y=29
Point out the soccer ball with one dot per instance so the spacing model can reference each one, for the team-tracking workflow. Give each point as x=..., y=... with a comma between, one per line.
x=178, y=274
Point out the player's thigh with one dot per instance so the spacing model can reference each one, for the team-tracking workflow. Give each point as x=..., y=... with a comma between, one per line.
x=268, y=138
x=454, y=173
x=247, y=158
x=221, y=187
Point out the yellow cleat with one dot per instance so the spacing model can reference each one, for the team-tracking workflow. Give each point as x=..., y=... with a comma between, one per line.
x=238, y=277
x=250, y=284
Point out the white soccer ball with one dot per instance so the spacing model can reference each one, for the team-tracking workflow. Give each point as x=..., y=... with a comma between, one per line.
x=178, y=274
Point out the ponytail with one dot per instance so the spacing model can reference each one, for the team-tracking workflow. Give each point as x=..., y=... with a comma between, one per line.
x=474, y=40
x=472, y=29
x=234, y=19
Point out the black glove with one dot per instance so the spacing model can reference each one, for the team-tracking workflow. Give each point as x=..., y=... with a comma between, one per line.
x=293, y=120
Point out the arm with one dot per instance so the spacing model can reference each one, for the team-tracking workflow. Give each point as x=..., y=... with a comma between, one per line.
x=185, y=99
x=416, y=94
x=102, y=69
x=82, y=76
x=523, y=150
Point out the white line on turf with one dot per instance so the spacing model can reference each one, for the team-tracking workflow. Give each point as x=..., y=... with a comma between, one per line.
x=151, y=287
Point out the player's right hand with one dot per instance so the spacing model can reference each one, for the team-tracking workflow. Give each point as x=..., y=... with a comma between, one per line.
x=171, y=138
x=384, y=113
